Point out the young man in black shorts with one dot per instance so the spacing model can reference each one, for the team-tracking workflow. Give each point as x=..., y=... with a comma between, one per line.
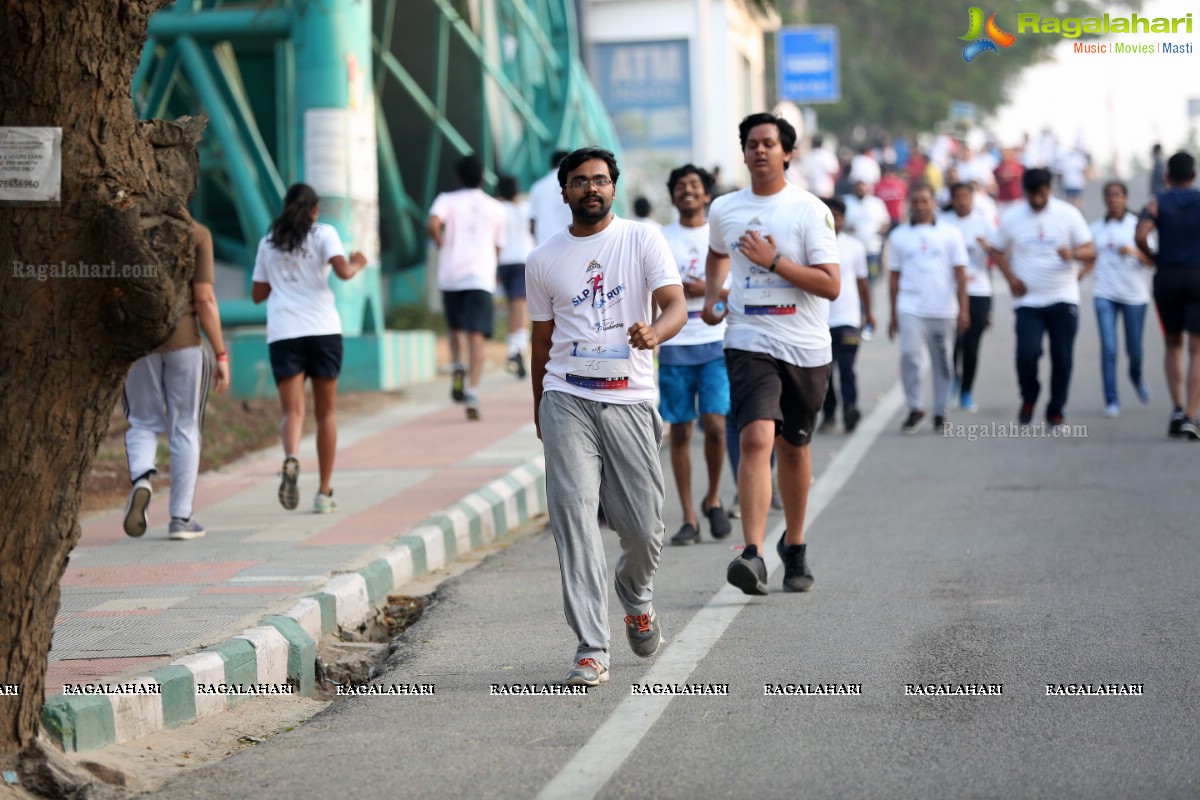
x=469, y=228
x=784, y=255
x=1176, y=214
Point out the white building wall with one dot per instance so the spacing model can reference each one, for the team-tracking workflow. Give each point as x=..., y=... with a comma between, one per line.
x=728, y=71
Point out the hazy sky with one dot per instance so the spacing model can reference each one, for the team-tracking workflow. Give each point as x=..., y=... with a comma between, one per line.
x=1133, y=100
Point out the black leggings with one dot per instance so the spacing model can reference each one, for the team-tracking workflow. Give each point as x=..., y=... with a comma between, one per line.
x=966, y=345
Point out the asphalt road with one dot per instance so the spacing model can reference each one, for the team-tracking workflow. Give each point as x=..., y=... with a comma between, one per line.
x=1015, y=561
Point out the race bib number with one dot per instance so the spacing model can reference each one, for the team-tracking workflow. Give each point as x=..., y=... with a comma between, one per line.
x=599, y=366
x=769, y=296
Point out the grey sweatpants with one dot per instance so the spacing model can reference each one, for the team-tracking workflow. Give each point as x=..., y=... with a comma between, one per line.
x=602, y=453
x=166, y=392
x=916, y=334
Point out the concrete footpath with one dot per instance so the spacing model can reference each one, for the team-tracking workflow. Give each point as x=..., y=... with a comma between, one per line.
x=144, y=622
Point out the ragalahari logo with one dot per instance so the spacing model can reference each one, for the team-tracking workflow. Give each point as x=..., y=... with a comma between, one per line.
x=981, y=44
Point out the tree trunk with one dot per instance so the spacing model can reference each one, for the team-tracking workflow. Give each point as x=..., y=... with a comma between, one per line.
x=68, y=342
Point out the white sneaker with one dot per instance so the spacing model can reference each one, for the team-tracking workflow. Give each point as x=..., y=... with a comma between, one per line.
x=324, y=503
x=1112, y=411
x=136, y=518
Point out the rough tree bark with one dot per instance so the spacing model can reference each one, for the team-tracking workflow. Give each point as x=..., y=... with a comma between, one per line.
x=68, y=342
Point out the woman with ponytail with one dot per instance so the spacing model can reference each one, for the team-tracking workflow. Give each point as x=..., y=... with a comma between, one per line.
x=304, y=332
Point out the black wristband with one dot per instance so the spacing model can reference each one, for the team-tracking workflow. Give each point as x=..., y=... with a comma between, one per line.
x=774, y=263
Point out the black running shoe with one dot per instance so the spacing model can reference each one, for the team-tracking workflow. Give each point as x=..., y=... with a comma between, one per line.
x=686, y=535
x=796, y=575
x=1175, y=428
x=851, y=416
x=940, y=426
x=1025, y=415
x=1054, y=420
x=718, y=522
x=828, y=424
x=516, y=365
x=748, y=572
x=1189, y=430
x=913, y=423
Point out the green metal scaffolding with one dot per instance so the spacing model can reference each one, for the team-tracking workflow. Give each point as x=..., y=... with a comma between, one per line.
x=499, y=78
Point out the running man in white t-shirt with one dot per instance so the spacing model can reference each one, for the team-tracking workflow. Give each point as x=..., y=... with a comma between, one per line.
x=304, y=331
x=779, y=241
x=927, y=282
x=692, y=379
x=1120, y=290
x=592, y=290
x=518, y=241
x=1036, y=247
x=847, y=314
x=469, y=229
x=820, y=168
x=976, y=228
x=867, y=220
x=548, y=212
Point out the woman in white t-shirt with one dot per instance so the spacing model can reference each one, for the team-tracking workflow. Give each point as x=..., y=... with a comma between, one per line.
x=304, y=331
x=1120, y=290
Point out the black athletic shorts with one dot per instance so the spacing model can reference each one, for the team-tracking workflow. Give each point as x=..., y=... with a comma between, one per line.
x=315, y=356
x=470, y=310
x=763, y=387
x=512, y=278
x=1177, y=296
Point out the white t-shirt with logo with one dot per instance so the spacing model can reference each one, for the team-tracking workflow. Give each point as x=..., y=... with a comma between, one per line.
x=973, y=227
x=1033, y=239
x=518, y=241
x=847, y=308
x=1120, y=278
x=925, y=256
x=301, y=302
x=767, y=313
x=473, y=227
x=594, y=288
x=689, y=246
x=549, y=212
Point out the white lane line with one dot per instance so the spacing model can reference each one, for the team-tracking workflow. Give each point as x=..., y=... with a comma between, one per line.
x=595, y=763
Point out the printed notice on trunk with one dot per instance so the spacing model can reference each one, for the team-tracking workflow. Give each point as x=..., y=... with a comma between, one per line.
x=30, y=166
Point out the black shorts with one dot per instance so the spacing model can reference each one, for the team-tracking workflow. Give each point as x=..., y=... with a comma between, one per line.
x=470, y=310
x=1177, y=296
x=315, y=356
x=512, y=278
x=763, y=387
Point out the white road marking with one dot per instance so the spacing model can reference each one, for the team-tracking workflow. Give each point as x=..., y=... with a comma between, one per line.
x=596, y=762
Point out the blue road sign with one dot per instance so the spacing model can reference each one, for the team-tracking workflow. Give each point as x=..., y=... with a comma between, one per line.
x=808, y=64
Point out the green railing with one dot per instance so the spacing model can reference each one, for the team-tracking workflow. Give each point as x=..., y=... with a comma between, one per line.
x=508, y=85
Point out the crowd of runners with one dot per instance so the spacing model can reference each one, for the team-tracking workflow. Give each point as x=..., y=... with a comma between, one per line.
x=752, y=297
x=753, y=304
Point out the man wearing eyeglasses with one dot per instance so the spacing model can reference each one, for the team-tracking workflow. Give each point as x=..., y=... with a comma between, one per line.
x=591, y=292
